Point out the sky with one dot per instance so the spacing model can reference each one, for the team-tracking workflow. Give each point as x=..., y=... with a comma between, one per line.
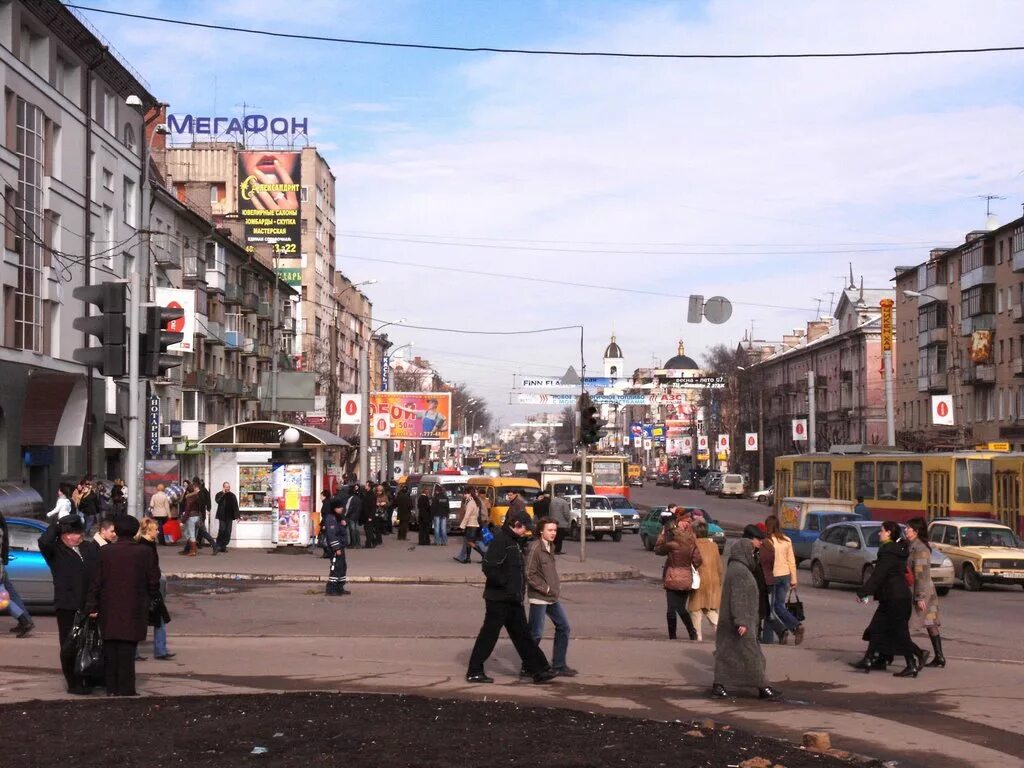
x=475, y=186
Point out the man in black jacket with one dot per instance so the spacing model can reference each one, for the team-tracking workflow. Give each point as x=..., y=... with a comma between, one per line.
x=335, y=540
x=354, y=515
x=423, y=519
x=404, y=504
x=503, y=596
x=227, y=513
x=73, y=563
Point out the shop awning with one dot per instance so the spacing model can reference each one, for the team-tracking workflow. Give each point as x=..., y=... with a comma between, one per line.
x=54, y=410
x=266, y=434
x=111, y=443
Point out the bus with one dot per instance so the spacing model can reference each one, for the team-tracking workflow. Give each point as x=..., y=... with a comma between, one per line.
x=610, y=474
x=901, y=485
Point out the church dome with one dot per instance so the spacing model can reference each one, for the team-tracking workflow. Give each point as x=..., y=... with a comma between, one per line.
x=613, y=351
x=681, y=362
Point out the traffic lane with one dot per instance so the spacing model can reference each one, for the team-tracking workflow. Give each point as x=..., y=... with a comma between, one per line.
x=733, y=513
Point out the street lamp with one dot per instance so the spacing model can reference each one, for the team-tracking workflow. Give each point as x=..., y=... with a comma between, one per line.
x=364, y=396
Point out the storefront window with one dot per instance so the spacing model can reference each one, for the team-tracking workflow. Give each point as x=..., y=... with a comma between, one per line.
x=254, y=491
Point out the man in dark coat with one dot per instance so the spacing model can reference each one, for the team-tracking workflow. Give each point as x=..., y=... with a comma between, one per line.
x=354, y=515
x=73, y=564
x=335, y=541
x=541, y=505
x=423, y=519
x=366, y=517
x=227, y=513
x=439, y=510
x=504, y=593
x=127, y=579
x=404, y=504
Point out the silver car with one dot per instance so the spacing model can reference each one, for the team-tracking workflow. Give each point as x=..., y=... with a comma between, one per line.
x=846, y=552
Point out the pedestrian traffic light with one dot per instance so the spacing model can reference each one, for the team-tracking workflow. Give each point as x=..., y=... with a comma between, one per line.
x=108, y=327
x=154, y=341
x=591, y=423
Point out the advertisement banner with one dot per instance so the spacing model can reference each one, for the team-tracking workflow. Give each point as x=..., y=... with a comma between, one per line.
x=686, y=445
x=751, y=441
x=153, y=426
x=351, y=411
x=543, y=382
x=702, y=443
x=800, y=429
x=291, y=275
x=677, y=427
x=380, y=426
x=981, y=347
x=886, y=307
x=268, y=200
x=414, y=415
x=292, y=488
x=183, y=299
x=723, y=443
x=942, y=410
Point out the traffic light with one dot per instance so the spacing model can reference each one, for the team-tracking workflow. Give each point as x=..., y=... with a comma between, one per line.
x=591, y=423
x=108, y=327
x=153, y=361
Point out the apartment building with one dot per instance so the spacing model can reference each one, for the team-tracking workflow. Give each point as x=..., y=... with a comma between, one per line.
x=70, y=168
x=961, y=329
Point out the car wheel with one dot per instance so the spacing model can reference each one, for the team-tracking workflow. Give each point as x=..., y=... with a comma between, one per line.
x=942, y=591
x=617, y=536
x=818, y=575
x=598, y=537
x=648, y=544
x=972, y=581
x=866, y=574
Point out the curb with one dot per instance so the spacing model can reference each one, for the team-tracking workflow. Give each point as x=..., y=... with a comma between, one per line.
x=632, y=573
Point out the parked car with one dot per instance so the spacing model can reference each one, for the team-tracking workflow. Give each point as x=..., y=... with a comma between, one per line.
x=982, y=550
x=663, y=479
x=651, y=525
x=846, y=552
x=732, y=485
x=713, y=483
x=804, y=519
x=766, y=496
x=26, y=567
x=630, y=516
x=601, y=518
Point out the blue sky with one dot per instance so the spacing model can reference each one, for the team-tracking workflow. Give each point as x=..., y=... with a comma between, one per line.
x=870, y=160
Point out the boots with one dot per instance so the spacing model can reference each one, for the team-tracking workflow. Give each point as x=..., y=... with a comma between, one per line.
x=910, y=670
x=672, y=626
x=193, y=549
x=940, y=659
x=867, y=663
x=25, y=626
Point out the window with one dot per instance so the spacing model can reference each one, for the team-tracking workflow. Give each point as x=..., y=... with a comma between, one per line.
x=304, y=194
x=979, y=300
x=864, y=479
x=129, y=136
x=937, y=534
x=192, y=406
x=887, y=480
x=822, y=488
x=23, y=537
x=129, y=202
x=835, y=535
x=802, y=478
x=109, y=105
x=980, y=255
x=872, y=535
x=973, y=481
x=108, y=179
x=28, y=305
x=910, y=480
x=932, y=316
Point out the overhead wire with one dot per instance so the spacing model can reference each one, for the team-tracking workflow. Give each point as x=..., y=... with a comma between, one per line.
x=547, y=52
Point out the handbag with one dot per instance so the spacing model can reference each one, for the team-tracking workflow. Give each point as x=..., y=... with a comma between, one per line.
x=695, y=577
x=89, y=651
x=795, y=605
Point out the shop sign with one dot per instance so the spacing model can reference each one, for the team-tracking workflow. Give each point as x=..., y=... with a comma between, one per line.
x=153, y=426
x=268, y=200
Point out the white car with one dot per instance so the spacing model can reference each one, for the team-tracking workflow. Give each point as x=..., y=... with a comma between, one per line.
x=732, y=485
x=765, y=496
x=602, y=519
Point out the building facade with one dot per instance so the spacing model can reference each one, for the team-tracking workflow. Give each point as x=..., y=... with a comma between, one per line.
x=70, y=164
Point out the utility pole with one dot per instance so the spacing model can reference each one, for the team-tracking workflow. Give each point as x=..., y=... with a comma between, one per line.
x=890, y=415
x=364, y=423
x=812, y=441
x=583, y=502
x=760, y=438
x=275, y=345
x=134, y=437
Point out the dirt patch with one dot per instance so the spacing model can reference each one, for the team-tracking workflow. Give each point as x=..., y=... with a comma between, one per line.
x=322, y=729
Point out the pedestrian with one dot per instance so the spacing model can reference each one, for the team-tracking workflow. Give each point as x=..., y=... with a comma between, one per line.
x=544, y=592
x=861, y=510
x=88, y=505
x=73, y=563
x=561, y=513
x=366, y=518
x=160, y=510
x=202, y=532
x=541, y=505
x=127, y=579
x=503, y=597
x=105, y=532
x=926, y=599
x=470, y=524
x=118, y=498
x=439, y=509
x=353, y=515
x=423, y=519
x=485, y=512
x=404, y=505
x=24, y=624
x=190, y=518
x=63, y=506
x=381, y=513
x=784, y=573
x=158, y=616
x=516, y=502
x=888, y=634
x=227, y=513
x=336, y=528
x=739, y=661
x=682, y=558
x=706, y=598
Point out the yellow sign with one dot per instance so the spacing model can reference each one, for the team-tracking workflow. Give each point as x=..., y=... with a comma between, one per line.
x=1004, y=447
x=886, y=306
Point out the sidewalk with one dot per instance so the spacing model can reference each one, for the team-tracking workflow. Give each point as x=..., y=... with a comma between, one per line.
x=395, y=562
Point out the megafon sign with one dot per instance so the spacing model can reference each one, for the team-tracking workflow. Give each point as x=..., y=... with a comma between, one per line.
x=218, y=126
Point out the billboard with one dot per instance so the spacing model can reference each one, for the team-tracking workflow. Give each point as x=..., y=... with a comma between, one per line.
x=981, y=347
x=185, y=300
x=268, y=200
x=414, y=415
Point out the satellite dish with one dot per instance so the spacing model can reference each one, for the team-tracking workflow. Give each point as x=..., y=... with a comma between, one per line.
x=717, y=310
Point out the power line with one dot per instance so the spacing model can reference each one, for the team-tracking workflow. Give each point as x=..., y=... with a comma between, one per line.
x=550, y=52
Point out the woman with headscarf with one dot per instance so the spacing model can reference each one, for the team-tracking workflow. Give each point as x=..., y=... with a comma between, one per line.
x=739, y=662
x=888, y=634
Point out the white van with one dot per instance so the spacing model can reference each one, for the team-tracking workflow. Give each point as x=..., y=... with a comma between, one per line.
x=732, y=485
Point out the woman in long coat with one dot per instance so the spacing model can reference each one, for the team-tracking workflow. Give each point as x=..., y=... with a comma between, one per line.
x=679, y=546
x=704, y=600
x=739, y=662
x=926, y=599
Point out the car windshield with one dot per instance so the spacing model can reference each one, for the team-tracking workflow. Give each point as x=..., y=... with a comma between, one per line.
x=733, y=479
x=619, y=502
x=841, y=517
x=592, y=503
x=528, y=494
x=871, y=535
x=987, y=537
x=23, y=537
x=454, y=489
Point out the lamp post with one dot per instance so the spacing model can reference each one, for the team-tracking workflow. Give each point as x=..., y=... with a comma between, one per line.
x=954, y=369
x=390, y=387
x=364, y=396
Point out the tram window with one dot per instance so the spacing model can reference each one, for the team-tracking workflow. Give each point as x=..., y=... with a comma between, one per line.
x=802, y=478
x=865, y=479
x=981, y=480
x=963, y=483
x=910, y=480
x=822, y=480
x=887, y=480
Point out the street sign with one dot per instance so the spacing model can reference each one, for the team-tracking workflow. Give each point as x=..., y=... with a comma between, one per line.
x=723, y=443
x=543, y=382
x=351, y=411
x=942, y=410
x=702, y=443
x=648, y=443
x=153, y=426
x=886, y=306
x=799, y=429
x=751, y=441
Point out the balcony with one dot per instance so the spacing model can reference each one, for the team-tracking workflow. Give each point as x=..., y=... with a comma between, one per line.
x=1017, y=313
x=248, y=347
x=1017, y=366
x=288, y=326
x=978, y=276
x=250, y=391
x=1018, y=261
x=232, y=387
x=263, y=310
x=250, y=302
x=264, y=351
x=979, y=374
x=233, y=339
x=932, y=336
x=214, y=332
x=194, y=270
x=934, y=293
x=933, y=382
x=982, y=322
x=232, y=293
x=167, y=259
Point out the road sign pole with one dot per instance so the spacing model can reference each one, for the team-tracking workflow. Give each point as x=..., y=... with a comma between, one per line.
x=583, y=502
